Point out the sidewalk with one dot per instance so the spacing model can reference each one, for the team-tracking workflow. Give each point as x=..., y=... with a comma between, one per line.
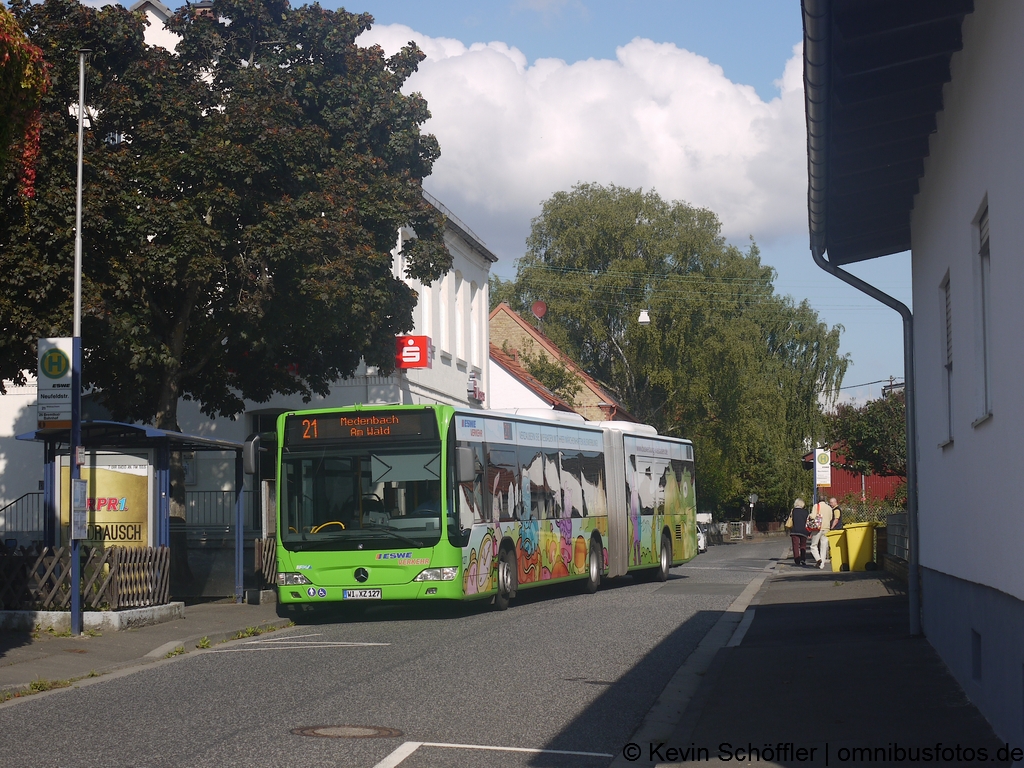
x=40, y=657
x=826, y=666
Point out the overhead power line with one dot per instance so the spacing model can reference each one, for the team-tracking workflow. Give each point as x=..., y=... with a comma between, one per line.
x=868, y=383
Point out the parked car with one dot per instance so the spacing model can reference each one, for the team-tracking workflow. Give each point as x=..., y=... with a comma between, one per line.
x=702, y=538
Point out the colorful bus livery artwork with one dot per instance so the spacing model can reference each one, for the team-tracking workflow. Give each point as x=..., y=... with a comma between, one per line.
x=450, y=504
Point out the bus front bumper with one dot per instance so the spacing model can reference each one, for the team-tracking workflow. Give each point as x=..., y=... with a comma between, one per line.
x=417, y=590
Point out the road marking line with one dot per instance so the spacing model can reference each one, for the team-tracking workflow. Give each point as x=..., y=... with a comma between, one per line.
x=399, y=754
x=741, y=630
x=406, y=749
x=285, y=638
x=297, y=646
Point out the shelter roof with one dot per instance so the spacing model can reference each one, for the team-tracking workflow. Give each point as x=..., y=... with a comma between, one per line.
x=115, y=434
x=874, y=72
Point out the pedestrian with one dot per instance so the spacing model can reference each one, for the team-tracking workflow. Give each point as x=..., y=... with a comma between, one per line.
x=837, y=515
x=819, y=524
x=797, y=526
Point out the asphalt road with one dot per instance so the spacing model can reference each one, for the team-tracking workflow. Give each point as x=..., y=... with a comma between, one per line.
x=561, y=672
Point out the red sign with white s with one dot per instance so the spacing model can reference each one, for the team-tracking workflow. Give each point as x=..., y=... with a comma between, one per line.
x=412, y=352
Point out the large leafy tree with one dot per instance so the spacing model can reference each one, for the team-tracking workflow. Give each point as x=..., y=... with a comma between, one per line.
x=872, y=438
x=23, y=81
x=724, y=360
x=242, y=196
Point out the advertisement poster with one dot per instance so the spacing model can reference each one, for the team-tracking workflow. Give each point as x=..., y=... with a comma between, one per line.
x=118, y=493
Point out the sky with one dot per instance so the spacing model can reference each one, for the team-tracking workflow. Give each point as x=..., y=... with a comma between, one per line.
x=700, y=100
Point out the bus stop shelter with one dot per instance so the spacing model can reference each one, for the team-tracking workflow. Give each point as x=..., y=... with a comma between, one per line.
x=123, y=438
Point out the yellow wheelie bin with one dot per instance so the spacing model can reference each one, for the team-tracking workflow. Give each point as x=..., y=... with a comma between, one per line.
x=837, y=550
x=860, y=543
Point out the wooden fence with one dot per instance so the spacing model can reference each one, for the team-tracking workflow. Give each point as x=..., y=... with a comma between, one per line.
x=112, y=578
x=266, y=563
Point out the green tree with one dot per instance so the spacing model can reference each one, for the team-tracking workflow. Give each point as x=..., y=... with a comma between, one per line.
x=557, y=377
x=724, y=360
x=500, y=291
x=872, y=438
x=23, y=81
x=242, y=196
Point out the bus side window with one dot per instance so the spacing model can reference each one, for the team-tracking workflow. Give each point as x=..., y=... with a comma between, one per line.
x=503, y=484
x=531, y=461
x=470, y=493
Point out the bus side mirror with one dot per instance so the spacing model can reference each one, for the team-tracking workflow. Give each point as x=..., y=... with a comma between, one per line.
x=465, y=467
x=251, y=454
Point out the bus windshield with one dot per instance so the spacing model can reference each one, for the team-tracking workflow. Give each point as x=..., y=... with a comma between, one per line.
x=350, y=497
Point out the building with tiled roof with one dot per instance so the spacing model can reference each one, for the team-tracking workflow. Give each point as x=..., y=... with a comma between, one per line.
x=513, y=387
x=516, y=337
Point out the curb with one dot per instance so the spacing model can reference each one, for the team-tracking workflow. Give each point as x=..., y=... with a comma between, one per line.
x=100, y=621
x=157, y=654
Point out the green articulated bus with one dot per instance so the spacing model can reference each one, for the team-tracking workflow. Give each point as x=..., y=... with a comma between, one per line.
x=390, y=502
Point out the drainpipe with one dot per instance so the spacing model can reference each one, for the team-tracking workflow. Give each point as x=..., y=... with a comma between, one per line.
x=913, y=586
x=817, y=18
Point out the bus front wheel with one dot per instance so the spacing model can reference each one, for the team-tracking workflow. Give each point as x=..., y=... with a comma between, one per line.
x=595, y=561
x=507, y=578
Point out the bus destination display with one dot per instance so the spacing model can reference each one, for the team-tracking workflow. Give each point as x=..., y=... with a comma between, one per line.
x=360, y=425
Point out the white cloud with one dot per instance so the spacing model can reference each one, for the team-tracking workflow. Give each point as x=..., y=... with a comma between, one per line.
x=513, y=133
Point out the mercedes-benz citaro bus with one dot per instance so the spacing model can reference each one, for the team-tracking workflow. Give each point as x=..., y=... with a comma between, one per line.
x=406, y=502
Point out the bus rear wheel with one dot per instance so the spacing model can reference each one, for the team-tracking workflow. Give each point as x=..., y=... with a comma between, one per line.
x=507, y=579
x=595, y=566
x=664, y=558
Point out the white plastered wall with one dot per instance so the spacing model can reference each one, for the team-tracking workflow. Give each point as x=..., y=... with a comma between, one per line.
x=971, y=524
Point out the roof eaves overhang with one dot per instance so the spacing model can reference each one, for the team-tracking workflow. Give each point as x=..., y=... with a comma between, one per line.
x=874, y=71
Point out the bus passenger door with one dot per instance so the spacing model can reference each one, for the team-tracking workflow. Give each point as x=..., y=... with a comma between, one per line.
x=617, y=544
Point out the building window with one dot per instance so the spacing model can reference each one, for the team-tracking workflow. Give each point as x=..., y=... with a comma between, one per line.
x=443, y=305
x=474, y=324
x=426, y=318
x=947, y=356
x=984, y=318
x=460, y=317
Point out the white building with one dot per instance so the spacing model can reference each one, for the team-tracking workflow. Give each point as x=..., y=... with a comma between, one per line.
x=156, y=15
x=916, y=140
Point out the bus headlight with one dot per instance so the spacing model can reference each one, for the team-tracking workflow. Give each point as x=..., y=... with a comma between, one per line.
x=438, y=574
x=291, y=579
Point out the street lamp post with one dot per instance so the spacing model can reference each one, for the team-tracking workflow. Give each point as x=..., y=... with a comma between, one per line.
x=76, y=363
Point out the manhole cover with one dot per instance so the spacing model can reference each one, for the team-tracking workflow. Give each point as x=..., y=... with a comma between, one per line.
x=348, y=732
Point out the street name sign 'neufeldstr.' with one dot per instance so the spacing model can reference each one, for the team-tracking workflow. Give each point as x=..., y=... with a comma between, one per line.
x=53, y=400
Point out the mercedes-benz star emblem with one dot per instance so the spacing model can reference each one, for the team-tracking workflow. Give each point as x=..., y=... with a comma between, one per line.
x=361, y=575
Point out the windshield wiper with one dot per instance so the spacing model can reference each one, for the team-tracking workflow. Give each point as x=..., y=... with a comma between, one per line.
x=389, y=532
